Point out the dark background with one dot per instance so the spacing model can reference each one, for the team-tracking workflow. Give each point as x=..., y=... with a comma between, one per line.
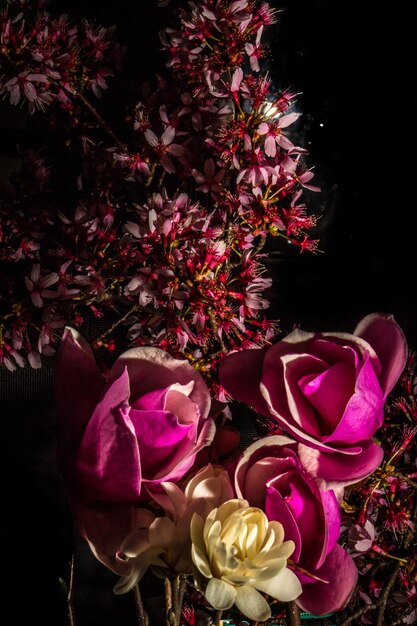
x=354, y=65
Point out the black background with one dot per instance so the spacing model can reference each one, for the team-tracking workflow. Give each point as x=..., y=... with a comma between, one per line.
x=354, y=65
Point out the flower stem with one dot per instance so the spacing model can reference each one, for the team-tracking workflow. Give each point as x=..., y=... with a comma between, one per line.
x=139, y=606
x=217, y=617
x=293, y=614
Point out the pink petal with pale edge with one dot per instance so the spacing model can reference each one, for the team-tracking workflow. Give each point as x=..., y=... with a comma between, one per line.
x=78, y=386
x=382, y=332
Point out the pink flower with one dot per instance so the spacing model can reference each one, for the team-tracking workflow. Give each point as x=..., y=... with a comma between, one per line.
x=38, y=285
x=210, y=180
x=144, y=426
x=164, y=147
x=270, y=476
x=326, y=389
x=274, y=136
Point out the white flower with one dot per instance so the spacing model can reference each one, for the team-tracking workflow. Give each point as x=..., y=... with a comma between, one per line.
x=242, y=554
x=165, y=541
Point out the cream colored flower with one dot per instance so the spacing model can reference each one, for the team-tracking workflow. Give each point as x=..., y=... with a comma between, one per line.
x=242, y=554
x=165, y=541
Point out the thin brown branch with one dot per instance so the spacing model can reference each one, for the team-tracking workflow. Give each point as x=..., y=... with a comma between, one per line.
x=140, y=612
x=102, y=123
x=71, y=591
x=358, y=613
x=181, y=592
x=384, y=596
x=293, y=614
x=109, y=331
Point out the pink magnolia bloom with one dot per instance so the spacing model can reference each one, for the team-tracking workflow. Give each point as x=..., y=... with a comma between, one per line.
x=327, y=390
x=270, y=476
x=142, y=427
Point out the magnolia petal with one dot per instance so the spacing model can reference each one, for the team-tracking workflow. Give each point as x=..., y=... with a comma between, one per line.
x=220, y=594
x=199, y=559
x=162, y=532
x=142, y=563
x=108, y=464
x=105, y=529
x=240, y=374
x=340, y=570
x=387, y=339
x=250, y=602
x=335, y=469
x=75, y=369
x=285, y=586
x=152, y=368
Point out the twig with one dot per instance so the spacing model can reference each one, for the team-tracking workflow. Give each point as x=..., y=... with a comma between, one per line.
x=217, y=617
x=385, y=594
x=181, y=592
x=70, y=595
x=170, y=619
x=91, y=108
x=293, y=614
x=139, y=606
x=131, y=311
x=358, y=613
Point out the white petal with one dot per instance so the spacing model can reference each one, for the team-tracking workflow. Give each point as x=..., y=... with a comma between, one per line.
x=252, y=604
x=220, y=594
x=284, y=587
x=200, y=561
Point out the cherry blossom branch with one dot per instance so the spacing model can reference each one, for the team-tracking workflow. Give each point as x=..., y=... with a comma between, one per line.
x=70, y=595
x=102, y=123
x=358, y=613
x=120, y=320
x=384, y=596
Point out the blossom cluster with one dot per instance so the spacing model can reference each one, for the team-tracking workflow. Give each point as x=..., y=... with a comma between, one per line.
x=165, y=226
x=155, y=484
x=46, y=59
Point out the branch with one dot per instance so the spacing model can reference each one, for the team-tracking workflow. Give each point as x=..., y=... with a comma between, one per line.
x=70, y=595
x=293, y=614
x=102, y=123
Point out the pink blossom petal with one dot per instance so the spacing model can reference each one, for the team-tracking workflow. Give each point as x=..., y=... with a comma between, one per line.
x=387, y=339
x=320, y=598
x=270, y=146
x=168, y=135
x=288, y=119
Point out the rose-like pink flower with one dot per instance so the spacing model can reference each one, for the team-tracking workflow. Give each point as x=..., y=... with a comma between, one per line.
x=327, y=390
x=269, y=475
x=145, y=425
